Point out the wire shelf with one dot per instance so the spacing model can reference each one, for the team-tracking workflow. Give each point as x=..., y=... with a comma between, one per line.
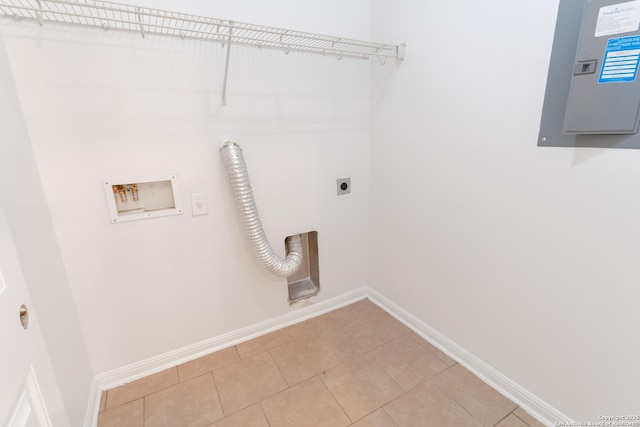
x=106, y=15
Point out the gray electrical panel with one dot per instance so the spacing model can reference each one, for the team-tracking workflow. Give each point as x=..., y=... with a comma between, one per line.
x=604, y=97
x=593, y=87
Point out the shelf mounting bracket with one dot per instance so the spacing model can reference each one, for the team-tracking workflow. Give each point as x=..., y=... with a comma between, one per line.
x=401, y=48
x=39, y=13
x=140, y=21
x=226, y=65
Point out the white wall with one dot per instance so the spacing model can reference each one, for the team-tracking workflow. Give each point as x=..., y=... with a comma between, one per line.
x=104, y=103
x=525, y=256
x=23, y=200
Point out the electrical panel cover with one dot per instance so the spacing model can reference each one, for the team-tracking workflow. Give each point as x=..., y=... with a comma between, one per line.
x=604, y=95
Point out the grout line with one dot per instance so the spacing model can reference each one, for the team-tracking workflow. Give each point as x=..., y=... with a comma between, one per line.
x=460, y=403
x=344, y=411
x=417, y=337
x=278, y=346
x=238, y=360
x=383, y=370
x=265, y=347
x=215, y=385
x=280, y=371
x=154, y=392
x=272, y=394
x=263, y=412
x=389, y=415
x=457, y=403
x=284, y=330
x=503, y=418
x=405, y=392
x=178, y=374
x=394, y=380
x=516, y=415
x=381, y=406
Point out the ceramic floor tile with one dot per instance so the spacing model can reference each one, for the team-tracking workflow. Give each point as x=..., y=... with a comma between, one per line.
x=306, y=404
x=407, y=362
x=361, y=386
x=263, y=343
x=248, y=381
x=366, y=303
x=357, y=308
x=368, y=319
x=193, y=403
x=431, y=348
x=311, y=326
x=356, y=345
x=357, y=315
x=339, y=325
x=377, y=419
x=207, y=363
x=388, y=328
x=483, y=402
x=252, y=416
x=427, y=405
x=337, y=334
x=142, y=387
x=512, y=421
x=127, y=415
x=524, y=416
x=303, y=358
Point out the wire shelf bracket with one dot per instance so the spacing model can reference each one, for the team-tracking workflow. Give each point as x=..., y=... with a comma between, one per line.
x=110, y=15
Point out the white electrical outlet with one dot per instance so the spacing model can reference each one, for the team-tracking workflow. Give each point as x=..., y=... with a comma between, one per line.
x=199, y=204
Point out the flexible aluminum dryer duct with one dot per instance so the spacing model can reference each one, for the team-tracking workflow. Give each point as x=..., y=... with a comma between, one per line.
x=243, y=195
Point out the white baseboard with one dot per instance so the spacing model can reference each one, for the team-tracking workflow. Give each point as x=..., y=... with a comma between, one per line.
x=535, y=406
x=526, y=400
x=134, y=371
x=93, y=407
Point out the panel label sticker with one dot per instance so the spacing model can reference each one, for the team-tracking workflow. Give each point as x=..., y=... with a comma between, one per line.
x=621, y=60
x=618, y=18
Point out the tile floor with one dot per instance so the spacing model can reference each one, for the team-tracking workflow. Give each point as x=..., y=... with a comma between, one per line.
x=355, y=366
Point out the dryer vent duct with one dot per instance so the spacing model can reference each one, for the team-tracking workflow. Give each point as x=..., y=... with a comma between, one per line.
x=243, y=195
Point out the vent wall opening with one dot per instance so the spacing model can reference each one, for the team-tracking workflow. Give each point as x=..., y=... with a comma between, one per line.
x=305, y=283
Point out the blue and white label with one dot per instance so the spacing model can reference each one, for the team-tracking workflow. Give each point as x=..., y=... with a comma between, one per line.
x=621, y=60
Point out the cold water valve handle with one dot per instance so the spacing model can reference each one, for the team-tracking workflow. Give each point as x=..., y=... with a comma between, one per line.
x=248, y=211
